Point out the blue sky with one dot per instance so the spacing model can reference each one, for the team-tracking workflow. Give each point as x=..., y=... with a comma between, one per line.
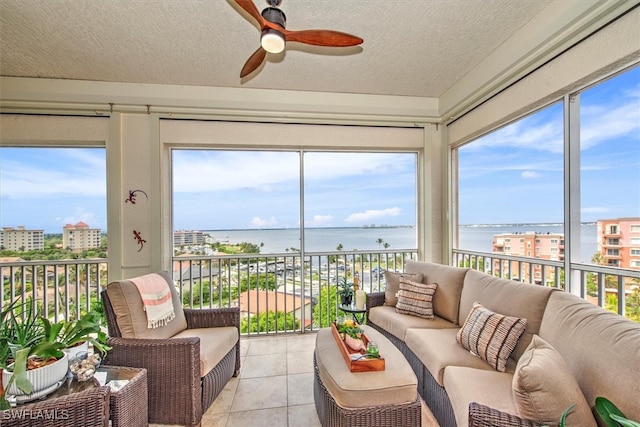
x=513, y=175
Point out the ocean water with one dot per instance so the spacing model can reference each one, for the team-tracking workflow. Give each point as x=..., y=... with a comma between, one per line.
x=473, y=238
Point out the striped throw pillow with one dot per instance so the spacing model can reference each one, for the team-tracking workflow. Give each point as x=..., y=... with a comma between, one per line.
x=416, y=298
x=491, y=336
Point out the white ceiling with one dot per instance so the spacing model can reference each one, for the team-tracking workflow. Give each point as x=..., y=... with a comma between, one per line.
x=411, y=47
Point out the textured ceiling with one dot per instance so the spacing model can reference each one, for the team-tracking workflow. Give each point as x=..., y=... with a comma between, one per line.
x=411, y=47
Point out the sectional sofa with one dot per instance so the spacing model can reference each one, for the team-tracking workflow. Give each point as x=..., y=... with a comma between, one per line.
x=470, y=369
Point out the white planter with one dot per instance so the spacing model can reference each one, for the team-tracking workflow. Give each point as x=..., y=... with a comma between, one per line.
x=44, y=380
x=74, y=351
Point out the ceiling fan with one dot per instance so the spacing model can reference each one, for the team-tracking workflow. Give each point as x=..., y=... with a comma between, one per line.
x=274, y=34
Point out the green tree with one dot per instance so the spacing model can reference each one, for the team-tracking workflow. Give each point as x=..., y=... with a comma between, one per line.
x=269, y=322
x=325, y=311
x=261, y=281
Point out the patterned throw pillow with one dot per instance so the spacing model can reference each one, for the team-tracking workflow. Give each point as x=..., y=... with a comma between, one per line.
x=393, y=285
x=491, y=336
x=415, y=298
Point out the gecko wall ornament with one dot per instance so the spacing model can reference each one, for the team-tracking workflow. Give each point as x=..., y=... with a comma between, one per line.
x=132, y=196
x=139, y=239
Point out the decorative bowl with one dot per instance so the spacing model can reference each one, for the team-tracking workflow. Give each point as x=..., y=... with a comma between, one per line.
x=84, y=366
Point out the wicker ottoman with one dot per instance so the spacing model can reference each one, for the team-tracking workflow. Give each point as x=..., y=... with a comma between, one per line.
x=383, y=398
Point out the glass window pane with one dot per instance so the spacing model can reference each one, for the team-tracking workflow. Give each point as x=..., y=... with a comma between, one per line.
x=360, y=201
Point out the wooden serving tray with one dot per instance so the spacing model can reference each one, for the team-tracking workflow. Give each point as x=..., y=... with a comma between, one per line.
x=360, y=365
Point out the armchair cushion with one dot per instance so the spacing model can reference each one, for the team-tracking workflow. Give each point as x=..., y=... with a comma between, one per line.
x=215, y=343
x=130, y=316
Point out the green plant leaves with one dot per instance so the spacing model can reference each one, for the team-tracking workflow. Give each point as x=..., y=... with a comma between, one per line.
x=611, y=415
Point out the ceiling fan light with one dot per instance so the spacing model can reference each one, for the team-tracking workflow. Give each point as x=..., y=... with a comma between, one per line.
x=272, y=41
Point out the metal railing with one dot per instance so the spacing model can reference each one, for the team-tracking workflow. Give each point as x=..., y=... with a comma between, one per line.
x=294, y=292
x=284, y=292
x=612, y=288
x=63, y=288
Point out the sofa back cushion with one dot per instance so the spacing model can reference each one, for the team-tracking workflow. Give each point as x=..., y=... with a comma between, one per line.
x=131, y=317
x=506, y=297
x=446, y=301
x=602, y=349
x=392, y=286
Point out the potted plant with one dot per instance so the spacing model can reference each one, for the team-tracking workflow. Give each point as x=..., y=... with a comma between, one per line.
x=345, y=290
x=611, y=415
x=31, y=349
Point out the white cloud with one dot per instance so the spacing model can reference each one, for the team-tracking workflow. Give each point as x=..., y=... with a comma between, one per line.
x=530, y=175
x=595, y=210
x=371, y=214
x=320, y=221
x=80, y=215
x=257, y=222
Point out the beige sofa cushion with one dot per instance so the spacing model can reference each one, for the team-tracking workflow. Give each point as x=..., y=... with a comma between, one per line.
x=446, y=301
x=543, y=388
x=466, y=385
x=416, y=298
x=131, y=317
x=599, y=347
x=397, y=384
x=506, y=297
x=392, y=280
x=397, y=324
x=215, y=343
x=437, y=349
x=490, y=336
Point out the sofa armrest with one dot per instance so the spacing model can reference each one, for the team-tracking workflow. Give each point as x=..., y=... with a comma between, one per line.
x=374, y=299
x=484, y=416
x=212, y=317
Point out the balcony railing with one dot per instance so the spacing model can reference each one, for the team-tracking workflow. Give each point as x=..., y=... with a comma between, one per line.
x=290, y=292
x=613, y=288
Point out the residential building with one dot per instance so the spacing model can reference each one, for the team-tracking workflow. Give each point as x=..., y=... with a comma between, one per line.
x=21, y=239
x=80, y=237
x=188, y=237
x=619, y=242
x=529, y=244
x=256, y=301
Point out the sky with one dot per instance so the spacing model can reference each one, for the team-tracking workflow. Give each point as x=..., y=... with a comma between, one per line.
x=513, y=175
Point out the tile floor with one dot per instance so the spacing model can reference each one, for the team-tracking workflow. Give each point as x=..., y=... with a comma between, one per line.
x=274, y=388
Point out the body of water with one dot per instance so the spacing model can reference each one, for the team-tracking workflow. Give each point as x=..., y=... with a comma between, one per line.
x=473, y=238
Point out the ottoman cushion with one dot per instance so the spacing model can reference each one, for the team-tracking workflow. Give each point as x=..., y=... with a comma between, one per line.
x=397, y=384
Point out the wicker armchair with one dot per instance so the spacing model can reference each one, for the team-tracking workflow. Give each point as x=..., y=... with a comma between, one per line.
x=179, y=393
x=484, y=416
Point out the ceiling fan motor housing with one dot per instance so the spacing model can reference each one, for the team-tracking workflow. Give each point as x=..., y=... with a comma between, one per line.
x=275, y=15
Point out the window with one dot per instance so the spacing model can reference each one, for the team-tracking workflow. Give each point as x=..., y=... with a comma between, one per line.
x=48, y=189
x=361, y=200
x=522, y=160
x=635, y=228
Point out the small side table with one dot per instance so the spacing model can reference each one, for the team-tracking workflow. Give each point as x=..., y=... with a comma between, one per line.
x=128, y=405
x=359, y=315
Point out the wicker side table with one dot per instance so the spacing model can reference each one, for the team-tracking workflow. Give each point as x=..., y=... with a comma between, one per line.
x=128, y=406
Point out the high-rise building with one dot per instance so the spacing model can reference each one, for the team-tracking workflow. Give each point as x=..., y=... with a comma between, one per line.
x=529, y=244
x=21, y=239
x=188, y=237
x=80, y=237
x=619, y=242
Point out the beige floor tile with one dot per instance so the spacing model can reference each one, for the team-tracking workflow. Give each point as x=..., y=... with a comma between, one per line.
x=214, y=420
x=266, y=365
x=260, y=393
x=299, y=389
x=267, y=345
x=301, y=342
x=273, y=417
x=299, y=362
x=303, y=416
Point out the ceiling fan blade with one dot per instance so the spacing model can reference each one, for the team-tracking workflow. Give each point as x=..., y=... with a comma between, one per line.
x=254, y=61
x=322, y=38
x=250, y=7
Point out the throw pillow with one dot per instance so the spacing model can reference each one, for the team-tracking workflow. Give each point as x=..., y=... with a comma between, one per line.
x=416, y=298
x=392, y=280
x=543, y=387
x=490, y=336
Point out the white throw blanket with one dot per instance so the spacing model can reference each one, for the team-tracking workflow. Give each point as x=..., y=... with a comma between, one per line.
x=156, y=299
